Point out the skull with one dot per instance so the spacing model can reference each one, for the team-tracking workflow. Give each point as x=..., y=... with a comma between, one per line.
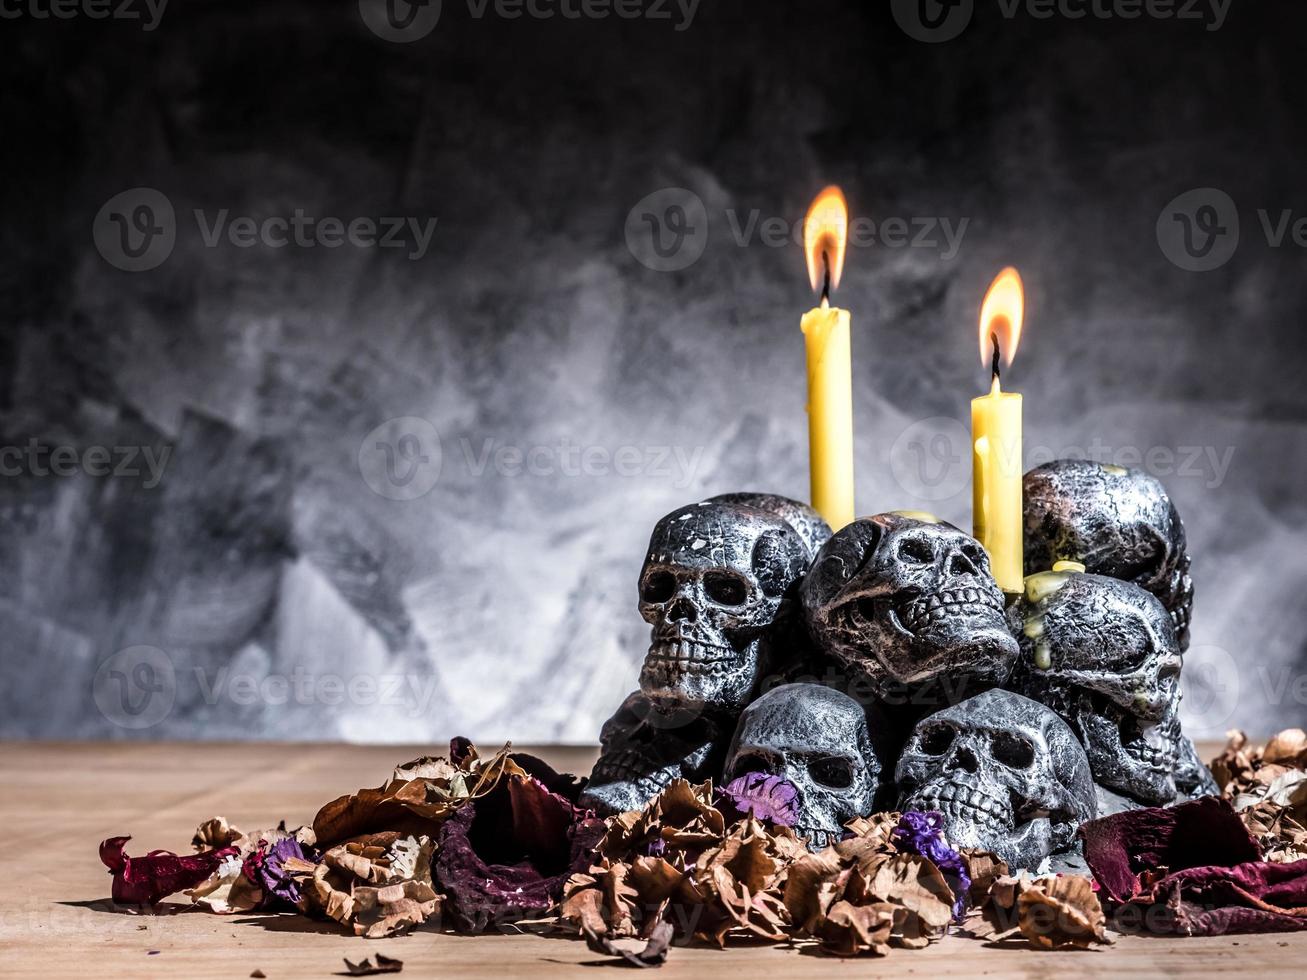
x=718, y=585
x=907, y=603
x=816, y=738
x=814, y=531
x=1114, y=521
x=1006, y=773
x=1102, y=653
x=643, y=750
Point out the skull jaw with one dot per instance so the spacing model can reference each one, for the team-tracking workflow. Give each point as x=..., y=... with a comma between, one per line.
x=698, y=679
x=640, y=764
x=610, y=794
x=944, y=662
x=977, y=814
x=1142, y=769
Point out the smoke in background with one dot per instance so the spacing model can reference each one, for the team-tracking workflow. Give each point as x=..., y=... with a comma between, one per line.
x=349, y=360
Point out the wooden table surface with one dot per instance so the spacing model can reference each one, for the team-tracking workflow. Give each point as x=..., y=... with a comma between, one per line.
x=57, y=802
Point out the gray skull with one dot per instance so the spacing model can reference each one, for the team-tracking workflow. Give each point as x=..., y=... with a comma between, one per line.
x=1102, y=653
x=719, y=583
x=1114, y=521
x=1006, y=773
x=814, y=531
x=816, y=738
x=911, y=607
x=643, y=750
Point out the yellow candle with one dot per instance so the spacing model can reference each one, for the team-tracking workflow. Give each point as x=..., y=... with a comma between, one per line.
x=996, y=483
x=830, y=413
x=830, y=374
x=996, y=438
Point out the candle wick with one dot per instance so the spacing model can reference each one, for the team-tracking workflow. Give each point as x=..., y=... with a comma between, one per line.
x=993, y=339
x=825, y=284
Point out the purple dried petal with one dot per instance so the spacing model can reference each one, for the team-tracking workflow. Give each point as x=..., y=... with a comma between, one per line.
x=272, y=873
x=922, y=833
x=771, y=799
x=507, y=855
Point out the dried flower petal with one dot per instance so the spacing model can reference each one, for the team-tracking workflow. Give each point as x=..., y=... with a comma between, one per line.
x=849, y=930
x=923, y=833
x=771, y=799
x=1061, y=911
x=149, y=879
x=654, y=952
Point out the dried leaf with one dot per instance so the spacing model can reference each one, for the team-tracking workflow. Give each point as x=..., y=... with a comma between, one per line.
x=849, y=930
x=365, y=968
x=654, y=952
x=1061, y=911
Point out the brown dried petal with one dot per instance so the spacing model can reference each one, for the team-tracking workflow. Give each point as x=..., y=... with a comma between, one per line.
x=1061, y=911
x=814, y=883
x=1288, y=748
x=849, y=930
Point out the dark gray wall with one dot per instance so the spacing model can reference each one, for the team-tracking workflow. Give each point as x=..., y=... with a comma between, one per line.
x=270, y=584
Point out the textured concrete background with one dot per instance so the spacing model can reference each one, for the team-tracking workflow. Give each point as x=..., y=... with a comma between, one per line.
x=298, y=565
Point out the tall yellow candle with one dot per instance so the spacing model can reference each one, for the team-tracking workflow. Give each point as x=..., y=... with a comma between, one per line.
x=996, y=437
x=830, y=373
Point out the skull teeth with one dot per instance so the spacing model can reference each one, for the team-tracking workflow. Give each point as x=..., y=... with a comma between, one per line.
x=957, y=801
x=817, y=837
x=1155, y=757
x=922, y=611
x=690, y=656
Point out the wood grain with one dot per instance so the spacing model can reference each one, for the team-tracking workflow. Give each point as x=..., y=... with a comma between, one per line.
x=57, y=802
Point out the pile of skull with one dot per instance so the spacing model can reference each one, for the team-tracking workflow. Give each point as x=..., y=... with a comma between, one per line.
x=882, y=667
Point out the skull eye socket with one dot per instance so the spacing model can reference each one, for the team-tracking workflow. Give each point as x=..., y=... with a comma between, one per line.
x=658, y=587
x=725, y=589
x=935, y=741
x=752, y=762
x=833, y=773
x=916, y=550
x=1013, y=751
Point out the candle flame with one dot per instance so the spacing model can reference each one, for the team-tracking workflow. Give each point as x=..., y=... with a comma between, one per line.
x=1001, y=316
x=825, y=238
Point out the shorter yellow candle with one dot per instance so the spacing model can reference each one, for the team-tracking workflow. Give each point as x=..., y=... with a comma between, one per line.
x=830, y=413
x=996, y=438
x=996, y=483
